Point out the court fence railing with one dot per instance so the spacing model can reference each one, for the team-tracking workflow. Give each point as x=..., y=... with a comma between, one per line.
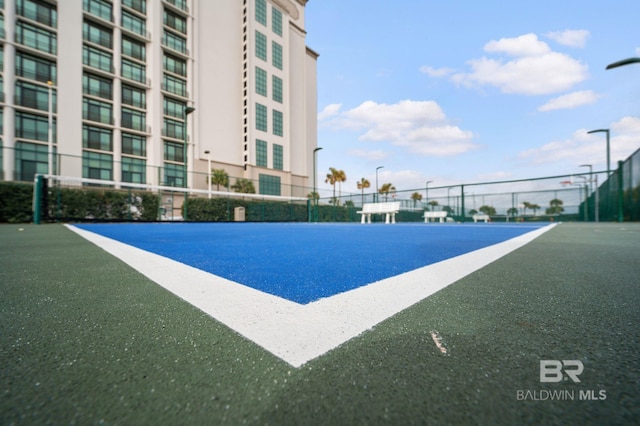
x=612, y=196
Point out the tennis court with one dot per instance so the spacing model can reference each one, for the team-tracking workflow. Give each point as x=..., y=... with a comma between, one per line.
x=451, y=323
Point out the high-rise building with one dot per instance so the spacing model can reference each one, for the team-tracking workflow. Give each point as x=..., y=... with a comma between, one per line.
x=151, y=91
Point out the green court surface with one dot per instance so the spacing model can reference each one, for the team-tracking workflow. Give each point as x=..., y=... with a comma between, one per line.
x=85, y=339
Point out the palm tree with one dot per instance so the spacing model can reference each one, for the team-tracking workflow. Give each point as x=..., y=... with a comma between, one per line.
x=362, y=185
x=488, y=210
x=219, y=177
x=513, y=212
x=526, y=205
x=555, y=206
x=534, y=207
x=244, y=186
x=332, y=179
x=433, y=204
x=313, y=196
x=386, y=189
x=416, y=196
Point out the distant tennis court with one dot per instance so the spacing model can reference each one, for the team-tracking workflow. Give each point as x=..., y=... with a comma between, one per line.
x=307, y=262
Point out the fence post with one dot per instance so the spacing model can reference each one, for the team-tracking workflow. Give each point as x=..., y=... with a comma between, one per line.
x=620, y=193
x=462, y=203
x=37, y=199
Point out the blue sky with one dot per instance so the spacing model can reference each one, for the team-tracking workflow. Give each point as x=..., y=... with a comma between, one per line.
x=463, y=91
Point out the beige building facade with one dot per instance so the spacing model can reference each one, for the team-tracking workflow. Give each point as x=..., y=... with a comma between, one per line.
x=153, y=91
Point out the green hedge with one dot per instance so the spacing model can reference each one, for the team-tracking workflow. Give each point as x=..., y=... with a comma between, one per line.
x=222, y=209
x=72, y=204
x=16, y=201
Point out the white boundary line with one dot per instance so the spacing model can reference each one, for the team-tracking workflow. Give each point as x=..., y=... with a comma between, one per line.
x=299, y=333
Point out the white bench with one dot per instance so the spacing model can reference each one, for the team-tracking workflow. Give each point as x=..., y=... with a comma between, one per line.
x=435, y=215
x=481, y=216
x=388, y=209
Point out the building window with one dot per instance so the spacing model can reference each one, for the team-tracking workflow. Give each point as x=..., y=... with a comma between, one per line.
x=276, y=82
x=134, y=71
x=37, y=11
x=97, y=86
x=174, y=151
x=134, y=119
x=35, y=68
x=276, y=21
x=134, y=170
x=278, y=157
x=174, y=108
x=261, y=11
x=174, y=41
x=261, y=81
x=175, y=65
x=180, y=4
x=134, y=145
x=277, y=123
x=137, y=5
x=31, y=159
x=36, y=38
x=134, y=24
x=174, y=175
x=134, y=96
x=97, y=58
x=277, y=55
x=261, y=117
x=261, y=153
x=97, y=34
x=33, y=96
x=97, y=138
x=33, y=127
x=100, y=8
x=261, y=46
x=174, y=85
x=173, y=129
x=176, y=22
x=95, y=110
x=97, y=166
x=269, y=185
x=134, y=49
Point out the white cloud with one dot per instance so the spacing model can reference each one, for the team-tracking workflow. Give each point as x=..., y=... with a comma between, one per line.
x=570, y=100
x=584, y=148
x=436, y=72
x=524, y=45
x=572, y=38
x=330, y=110
x=419, y=126
x=534, y=69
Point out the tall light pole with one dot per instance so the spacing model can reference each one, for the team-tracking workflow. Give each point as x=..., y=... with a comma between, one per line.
x=376, y=193
x=50, y=130
x=608, y=148
x=426, y=195
x=623, y=62
x=209, y=170
x=187, y=110
x=315, y=194
x=597, y=204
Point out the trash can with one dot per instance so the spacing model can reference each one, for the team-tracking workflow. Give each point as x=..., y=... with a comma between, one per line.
x=238, y=214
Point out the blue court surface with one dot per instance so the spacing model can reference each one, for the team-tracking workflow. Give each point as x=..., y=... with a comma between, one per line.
x=307, y=262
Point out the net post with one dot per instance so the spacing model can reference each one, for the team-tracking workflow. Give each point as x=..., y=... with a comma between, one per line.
x=620, y=193
x=37, y=199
